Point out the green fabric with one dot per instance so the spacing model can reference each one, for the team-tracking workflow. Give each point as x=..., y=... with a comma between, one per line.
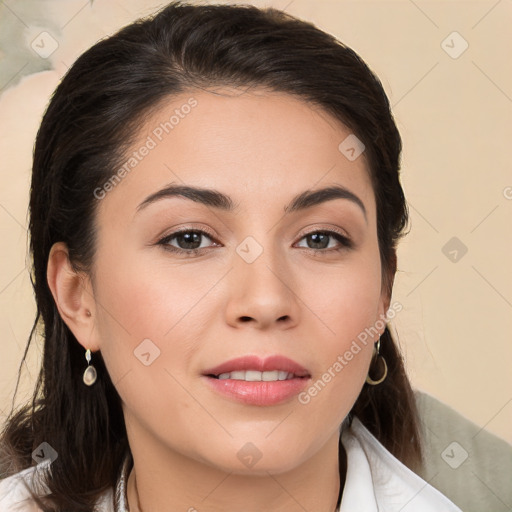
x=469, y=465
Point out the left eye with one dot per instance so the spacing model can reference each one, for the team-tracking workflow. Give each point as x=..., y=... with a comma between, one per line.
x=324, y=240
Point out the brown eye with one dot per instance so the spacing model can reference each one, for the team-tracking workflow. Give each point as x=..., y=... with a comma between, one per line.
x=187, y=241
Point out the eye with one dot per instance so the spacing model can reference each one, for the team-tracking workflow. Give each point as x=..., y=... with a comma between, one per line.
x=331, y=240
x=190, y=241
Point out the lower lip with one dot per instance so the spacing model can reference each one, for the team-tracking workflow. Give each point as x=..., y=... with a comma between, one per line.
x=259, y=392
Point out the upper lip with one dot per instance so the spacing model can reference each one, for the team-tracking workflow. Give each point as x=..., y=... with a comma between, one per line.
x=267, y=364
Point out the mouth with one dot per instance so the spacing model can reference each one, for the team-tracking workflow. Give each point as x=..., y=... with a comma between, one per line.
x=257, y=376
x=255, y=381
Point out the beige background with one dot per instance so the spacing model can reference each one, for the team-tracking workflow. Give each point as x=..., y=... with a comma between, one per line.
x=455, y=116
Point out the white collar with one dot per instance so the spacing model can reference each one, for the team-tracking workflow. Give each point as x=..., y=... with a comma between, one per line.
x=377, y=481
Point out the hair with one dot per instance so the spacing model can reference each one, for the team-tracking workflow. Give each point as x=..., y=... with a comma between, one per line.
x=89, y=124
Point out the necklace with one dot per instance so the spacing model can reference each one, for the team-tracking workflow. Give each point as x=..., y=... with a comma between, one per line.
x=137, y=494
x=137, y=507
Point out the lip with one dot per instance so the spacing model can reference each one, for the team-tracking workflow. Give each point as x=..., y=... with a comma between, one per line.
x=260, y=393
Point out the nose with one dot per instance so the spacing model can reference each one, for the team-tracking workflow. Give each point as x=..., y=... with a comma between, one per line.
x=262, y=294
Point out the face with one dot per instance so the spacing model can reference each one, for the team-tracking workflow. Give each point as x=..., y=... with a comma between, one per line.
x=200, y=295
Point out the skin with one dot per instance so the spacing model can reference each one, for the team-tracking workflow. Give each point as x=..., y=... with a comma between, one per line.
x=260, y=148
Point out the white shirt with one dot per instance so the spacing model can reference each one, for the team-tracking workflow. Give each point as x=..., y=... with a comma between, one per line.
x=375, y=482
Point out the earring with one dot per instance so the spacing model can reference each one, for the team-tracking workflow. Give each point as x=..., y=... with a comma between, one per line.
x=90, y=373
x=376, y=356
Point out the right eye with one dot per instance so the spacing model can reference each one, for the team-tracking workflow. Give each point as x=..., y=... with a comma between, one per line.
x=187, y=241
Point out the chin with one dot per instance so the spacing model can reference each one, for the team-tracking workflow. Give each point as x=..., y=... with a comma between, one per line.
x=249, y=459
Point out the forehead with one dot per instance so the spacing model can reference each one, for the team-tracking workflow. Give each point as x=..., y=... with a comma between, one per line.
x=254, y=146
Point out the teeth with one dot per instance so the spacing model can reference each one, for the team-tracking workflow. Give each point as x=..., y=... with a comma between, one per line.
x=256, y=376
x=270, y=376
x=253, y=376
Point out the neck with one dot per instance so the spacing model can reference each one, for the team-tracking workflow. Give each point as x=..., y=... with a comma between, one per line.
x=181, y=483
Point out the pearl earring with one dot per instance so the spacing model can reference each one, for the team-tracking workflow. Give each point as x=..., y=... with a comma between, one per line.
x=90, y=374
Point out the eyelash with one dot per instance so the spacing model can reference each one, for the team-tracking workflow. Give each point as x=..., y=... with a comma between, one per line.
x=345, y=242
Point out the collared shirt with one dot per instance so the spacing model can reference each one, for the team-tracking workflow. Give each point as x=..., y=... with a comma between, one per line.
x=375, y=482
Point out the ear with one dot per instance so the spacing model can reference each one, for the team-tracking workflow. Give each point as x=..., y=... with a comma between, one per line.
x=387, y=287
x=73, y=296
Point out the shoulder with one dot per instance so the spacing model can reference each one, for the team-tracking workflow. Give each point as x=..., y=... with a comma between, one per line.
x=15, y=492
x=463, y=460
x=384, y=482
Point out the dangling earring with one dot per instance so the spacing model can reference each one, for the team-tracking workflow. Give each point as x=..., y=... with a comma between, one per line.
x=90, y=373
x=377, y=356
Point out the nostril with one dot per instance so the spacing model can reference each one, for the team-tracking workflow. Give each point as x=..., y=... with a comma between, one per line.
x=283, y=318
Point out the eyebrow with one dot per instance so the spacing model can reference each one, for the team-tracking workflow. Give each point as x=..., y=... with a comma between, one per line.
x=216, y=199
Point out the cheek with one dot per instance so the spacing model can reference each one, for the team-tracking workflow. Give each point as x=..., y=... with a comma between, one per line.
x=141, y=309
x=142, y=298
x=148, y=319
x=343, y=353
x=346, y=301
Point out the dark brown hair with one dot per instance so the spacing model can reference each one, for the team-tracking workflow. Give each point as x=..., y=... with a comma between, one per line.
x=91, y=120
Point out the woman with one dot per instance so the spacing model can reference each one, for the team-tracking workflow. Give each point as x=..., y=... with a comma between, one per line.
x=214, y=212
